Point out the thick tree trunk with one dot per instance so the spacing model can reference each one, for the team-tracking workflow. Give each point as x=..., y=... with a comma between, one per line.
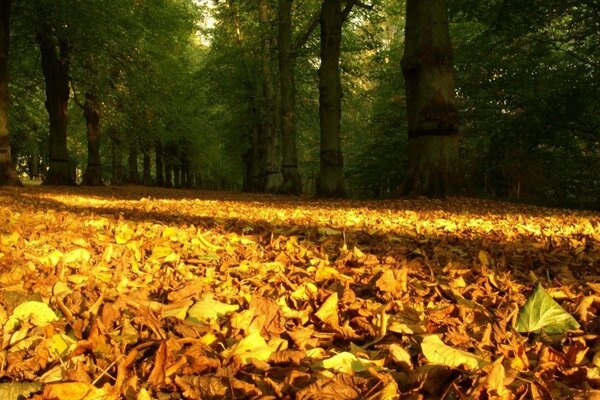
x=330, y=182
x=160, y=165
x=132, y=160
x=146, y=174
x=93, y=172
x=292, y=183
x=55, y=67
x=427, y=67
x=272, y=165
x=8, y=174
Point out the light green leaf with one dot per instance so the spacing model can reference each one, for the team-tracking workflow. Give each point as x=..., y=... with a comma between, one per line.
x=18, y=390
x=209, y=309
x=541, y=312
x=347, y=363
x=38, y=313
x=439, y=353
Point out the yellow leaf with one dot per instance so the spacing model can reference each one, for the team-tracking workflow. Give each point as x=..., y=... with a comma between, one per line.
x=10, y=240
x=60, y=344
x=36, y=312
x=304, y=292
x=76, y=391
x=208, y=338
x=209, y=309
x=400, y=355
x=348, y=363
x=437, y=352
x=123, y=234
x=251, y=347
x=328, y=313
x=495, y=380
x=484, y=258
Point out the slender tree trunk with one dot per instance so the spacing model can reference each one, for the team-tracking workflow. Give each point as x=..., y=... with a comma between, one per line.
x=55, y=67
x=93, y=172
x=433, y=127
x=160, y=166
x=271, y=157
x=8, y=174
x=330, y=182
x=134, y=175
x=146, y=174
x=292, y=183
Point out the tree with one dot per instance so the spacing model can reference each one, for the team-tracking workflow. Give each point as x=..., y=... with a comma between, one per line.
x=330, y=182
x=427, y=66
x=8, y=175
x=93, y=172
x=271, y=156
x=56, y=63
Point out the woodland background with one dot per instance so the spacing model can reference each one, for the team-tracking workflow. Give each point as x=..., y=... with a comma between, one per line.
x=179, y=85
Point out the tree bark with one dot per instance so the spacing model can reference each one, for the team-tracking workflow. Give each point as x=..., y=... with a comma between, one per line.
x=292, y=183
x=93, y=172
x=271, y=159
x=55, y=67
x=330, y=182
x=433, y=128
x=8, y=174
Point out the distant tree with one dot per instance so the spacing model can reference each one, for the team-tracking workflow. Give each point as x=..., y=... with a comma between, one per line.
x=427, y=66
x=8, y=175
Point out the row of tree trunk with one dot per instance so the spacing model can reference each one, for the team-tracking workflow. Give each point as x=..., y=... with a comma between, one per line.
x=272, y=162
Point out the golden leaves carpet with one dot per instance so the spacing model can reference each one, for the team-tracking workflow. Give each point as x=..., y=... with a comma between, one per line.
x=141, y=293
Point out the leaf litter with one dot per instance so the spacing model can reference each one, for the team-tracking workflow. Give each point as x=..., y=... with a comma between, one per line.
x=141, y=293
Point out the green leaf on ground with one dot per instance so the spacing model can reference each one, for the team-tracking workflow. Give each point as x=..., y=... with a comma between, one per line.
x=541, y=312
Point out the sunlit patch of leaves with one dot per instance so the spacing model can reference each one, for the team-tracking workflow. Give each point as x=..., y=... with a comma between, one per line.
x=137, y=293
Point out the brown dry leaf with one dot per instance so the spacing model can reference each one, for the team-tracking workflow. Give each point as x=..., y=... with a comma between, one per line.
x=293, y=283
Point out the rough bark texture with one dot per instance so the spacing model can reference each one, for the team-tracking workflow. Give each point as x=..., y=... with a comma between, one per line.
x=271, y=155
x=427, y=67
x=55, y=67
x=93, y=172
x=330, y=182
x=8, y=175
x=292, y=183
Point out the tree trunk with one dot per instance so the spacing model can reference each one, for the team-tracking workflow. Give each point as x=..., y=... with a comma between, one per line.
x=55, y=67
x=330, y=182
x=93, y=172
x=272, y=165
x=160, y=166
x=146, y=174
x=427, y=67
x=292, y=183
x=8, y=174
x=134, y=175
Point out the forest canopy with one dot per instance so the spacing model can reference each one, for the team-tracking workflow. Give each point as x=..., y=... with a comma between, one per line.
x=363, y=99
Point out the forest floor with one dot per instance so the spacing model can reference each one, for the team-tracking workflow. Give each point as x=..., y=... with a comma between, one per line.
x=145, y=293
